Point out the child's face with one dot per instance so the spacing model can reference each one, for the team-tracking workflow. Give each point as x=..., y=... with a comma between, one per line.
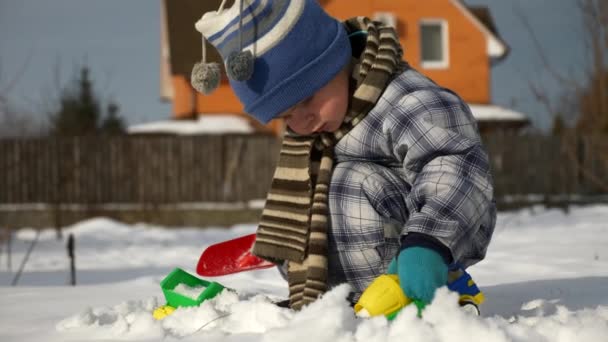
x=322, y=112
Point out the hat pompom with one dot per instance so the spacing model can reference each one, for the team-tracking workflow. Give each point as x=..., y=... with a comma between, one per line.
x=239, y=65
x=205, y=77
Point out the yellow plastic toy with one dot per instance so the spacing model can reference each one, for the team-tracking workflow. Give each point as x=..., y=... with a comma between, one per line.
x=383, y=297
x=163, y=311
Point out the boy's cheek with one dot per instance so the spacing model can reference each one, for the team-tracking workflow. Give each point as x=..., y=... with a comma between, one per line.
x=292, y=124
x=301, y=124
x=297, y=127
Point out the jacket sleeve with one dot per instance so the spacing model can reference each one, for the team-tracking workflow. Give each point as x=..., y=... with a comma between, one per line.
x=451, y=206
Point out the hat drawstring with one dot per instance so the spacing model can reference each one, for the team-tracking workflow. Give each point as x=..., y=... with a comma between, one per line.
x=206, y=77
x=239, y=64
x=241, y=25
x=221, y=9
x=204, y=50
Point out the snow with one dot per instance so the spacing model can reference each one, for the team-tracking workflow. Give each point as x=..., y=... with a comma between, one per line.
x=206, y=124
x=232, y=123
x=496, y=48
x=545, y=279
x=190, y=292
x=495, y=113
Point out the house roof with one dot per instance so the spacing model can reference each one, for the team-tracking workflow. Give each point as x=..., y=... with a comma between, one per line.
x=483, y=14
x=497, y=49
x=182, y=36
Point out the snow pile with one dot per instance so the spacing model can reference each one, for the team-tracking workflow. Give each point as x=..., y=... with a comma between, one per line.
x=545, y=279
x=127, y=320
x=223, y=315
x=332, y=319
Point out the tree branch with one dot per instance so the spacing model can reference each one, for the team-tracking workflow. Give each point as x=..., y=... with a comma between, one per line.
x=13, y=82
x=539, y=49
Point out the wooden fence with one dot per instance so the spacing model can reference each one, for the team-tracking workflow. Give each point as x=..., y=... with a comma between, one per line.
x=229, y=168
x=138, y=169
x=548, y=166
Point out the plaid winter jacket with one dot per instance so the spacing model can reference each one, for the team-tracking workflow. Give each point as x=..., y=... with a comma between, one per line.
x=428, y=137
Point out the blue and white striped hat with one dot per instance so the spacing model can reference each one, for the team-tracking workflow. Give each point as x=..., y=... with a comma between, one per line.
x=297, y=48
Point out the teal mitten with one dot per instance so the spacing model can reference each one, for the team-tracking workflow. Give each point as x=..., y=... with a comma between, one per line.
x=421, y=271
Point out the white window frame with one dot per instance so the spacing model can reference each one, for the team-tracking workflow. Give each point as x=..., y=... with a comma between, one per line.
x=388, y=18
x=445, y=44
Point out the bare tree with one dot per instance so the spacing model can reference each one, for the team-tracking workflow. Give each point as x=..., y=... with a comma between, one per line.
x=5, y=89
x=15, y=122
x=593, y=97
x=582, y=109
x=587, y=97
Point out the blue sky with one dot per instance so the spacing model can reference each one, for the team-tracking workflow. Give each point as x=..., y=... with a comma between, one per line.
x=119, y=40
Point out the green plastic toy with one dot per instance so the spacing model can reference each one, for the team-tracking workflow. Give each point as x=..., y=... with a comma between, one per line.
x=176, y=299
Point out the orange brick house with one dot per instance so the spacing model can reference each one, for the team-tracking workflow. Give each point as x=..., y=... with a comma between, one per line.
x=450, y=42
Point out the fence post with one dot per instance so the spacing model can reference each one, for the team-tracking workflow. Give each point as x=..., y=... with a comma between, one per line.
x=9, y=242
x=57, y=188
x=580, y=162
x=72, y=256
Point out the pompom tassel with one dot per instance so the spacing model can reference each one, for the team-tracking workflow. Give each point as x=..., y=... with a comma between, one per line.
x=239, y=65
x=205, y=77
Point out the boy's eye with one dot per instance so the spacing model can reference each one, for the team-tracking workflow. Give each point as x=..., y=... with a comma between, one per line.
x=286, y=114
x=301, y=104
x=306, y=101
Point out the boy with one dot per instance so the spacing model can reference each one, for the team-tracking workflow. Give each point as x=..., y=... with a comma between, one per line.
x=378, y=163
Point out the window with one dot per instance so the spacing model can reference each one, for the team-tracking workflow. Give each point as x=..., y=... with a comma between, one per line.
x=434, y=44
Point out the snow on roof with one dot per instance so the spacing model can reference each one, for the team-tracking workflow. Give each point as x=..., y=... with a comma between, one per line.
x=496, y=113
x=206, y=124
x=226, y=123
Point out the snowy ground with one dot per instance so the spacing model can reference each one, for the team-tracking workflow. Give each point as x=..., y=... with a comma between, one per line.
x=545, y=279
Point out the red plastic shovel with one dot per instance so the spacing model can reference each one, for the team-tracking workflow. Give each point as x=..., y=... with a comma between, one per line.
x=230, y=257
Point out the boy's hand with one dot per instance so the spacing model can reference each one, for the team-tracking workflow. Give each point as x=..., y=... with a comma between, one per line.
x=421, y=271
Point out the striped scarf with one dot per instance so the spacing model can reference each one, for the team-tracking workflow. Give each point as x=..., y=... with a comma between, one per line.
x=293, y=226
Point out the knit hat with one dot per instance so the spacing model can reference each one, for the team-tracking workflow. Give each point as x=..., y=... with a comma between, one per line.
x=276, y=52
